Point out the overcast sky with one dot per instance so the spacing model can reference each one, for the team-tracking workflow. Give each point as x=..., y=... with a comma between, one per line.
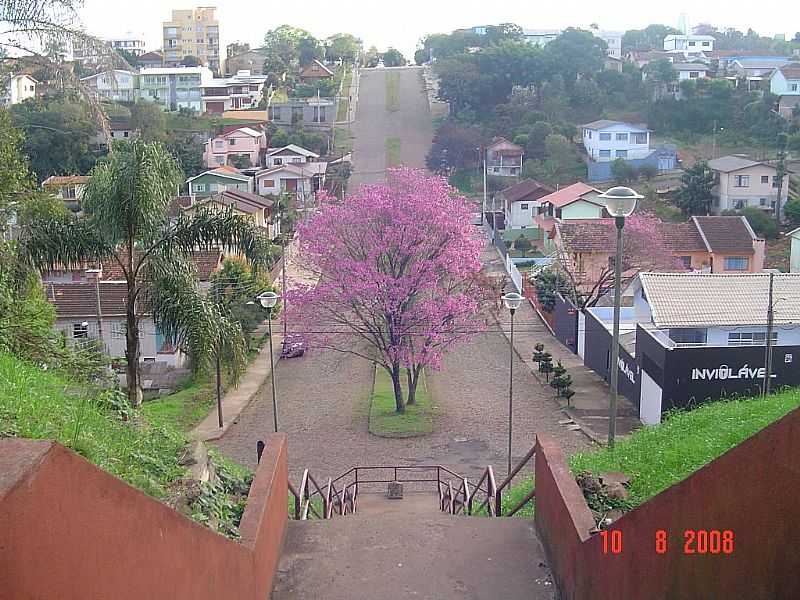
x=402, y=24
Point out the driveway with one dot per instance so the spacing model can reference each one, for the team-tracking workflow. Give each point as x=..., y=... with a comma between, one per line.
x=407, y=120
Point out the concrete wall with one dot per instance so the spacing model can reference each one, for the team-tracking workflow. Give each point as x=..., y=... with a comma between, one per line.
x=735, y=492
x=74, y=532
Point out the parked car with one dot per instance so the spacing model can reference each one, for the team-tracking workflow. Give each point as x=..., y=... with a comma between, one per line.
x=294, y=345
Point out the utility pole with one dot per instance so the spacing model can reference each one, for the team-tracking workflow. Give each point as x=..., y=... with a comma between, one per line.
x=768, y=351
x=484, y=186
x=283, y=276
x=781, y=173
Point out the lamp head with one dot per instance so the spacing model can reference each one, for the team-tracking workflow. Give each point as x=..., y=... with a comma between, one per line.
x=512, y=301
x=268, y=299
x=620, y=201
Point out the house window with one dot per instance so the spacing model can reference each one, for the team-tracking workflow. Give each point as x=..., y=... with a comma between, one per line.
x=589, y=132
x=117, y=330
x=622, y=154
x=297, y=114
x=706, y=44
x=688, y=336
x=737, y=263
x=605, y=137
x=605, y=153
x=232, y=142
x=762, y=202
x=686, y=261
x=751, y=338
x=68, y=192
x=514, y=170
x=80, y=331
x=277, y=161
x=775, y=181
x=523, y=207
x=640, y=138
x=793, y=87
x=765, y=179
x=622, y=137
x=692, y=44
x=741, y=181
x=319, y=114
x=268, y=183
x=495, y=169
x=199, y=187
x=220, y=160
x=694, y=74
x=125, y=134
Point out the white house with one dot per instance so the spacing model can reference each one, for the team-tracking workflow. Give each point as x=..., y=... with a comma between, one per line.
x=520, y=203
x=239, y=92
x=690, y=43
x=691, y=70
x=785, y=80
x=794, y=253
x=289, y=155
x=740, y=183
x=606, y=140
x=613, y=40
x=18, y=88
x=116, y=85
x=302, y=180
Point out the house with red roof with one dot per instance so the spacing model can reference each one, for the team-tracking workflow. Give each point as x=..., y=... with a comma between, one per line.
x=504, y=159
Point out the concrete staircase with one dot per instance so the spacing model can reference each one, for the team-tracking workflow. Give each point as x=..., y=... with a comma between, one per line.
x=408, y=549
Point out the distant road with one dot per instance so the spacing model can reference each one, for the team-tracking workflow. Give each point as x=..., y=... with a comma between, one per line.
x=375, y=123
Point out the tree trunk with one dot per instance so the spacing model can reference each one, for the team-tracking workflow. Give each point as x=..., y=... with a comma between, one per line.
x=132, y=354
x=398, y=389
x=412, y=376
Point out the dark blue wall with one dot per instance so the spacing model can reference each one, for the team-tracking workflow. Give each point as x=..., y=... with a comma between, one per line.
x=597, y=356
x=565, y=323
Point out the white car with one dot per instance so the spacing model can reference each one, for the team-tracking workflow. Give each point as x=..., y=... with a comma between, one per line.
x=380, y=65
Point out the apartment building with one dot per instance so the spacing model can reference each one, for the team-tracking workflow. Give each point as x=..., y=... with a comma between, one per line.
x=175, y=88
x=133, y=44
x=193, y=32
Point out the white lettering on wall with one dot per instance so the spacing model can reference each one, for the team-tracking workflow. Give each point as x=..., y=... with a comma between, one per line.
x=724, y=372
x=626, y=370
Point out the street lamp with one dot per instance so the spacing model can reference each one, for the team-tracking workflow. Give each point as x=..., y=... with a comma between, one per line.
x=620, y=202
x=512, y=301
x=268, y=300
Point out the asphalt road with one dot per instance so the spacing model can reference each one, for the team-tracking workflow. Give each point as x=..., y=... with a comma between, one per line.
x=407, y=119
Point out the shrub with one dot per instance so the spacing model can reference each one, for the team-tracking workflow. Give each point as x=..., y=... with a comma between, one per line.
x=548, y=283
x=648, y=171
x=761, y=222
x=522, y=244
x=792, y=211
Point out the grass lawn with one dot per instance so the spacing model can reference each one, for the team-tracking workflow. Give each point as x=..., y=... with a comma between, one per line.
x=38, y=404
x=392, y=152
x=342, y=140
x=185, y=408
x=393, y=91
x=777, y=256
x=384, y=421
x=656, y=458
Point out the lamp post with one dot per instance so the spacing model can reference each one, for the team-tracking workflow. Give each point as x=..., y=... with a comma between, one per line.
x=512, y=302
x=620, y=202
x=268, y=300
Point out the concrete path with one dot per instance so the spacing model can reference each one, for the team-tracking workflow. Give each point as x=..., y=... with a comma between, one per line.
x=589, y=405
x=420, y=556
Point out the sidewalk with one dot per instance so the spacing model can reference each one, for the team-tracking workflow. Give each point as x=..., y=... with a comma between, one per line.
x=589, y=406
x=237, y=399
x=352, y=95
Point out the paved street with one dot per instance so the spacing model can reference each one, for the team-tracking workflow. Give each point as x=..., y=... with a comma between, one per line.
x=410, y=123
x=323, y=396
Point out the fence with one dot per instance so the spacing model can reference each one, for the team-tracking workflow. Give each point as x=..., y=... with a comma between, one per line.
x=500, y=245
x=513, y=271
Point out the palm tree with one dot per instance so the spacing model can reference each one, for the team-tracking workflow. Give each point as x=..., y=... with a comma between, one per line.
x=127, y=220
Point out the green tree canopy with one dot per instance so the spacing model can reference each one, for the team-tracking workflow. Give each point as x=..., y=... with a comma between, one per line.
x=694, y=197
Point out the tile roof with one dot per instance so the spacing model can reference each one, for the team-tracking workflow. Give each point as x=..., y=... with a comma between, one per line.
x=791, y=71
x=683, y=237
x=528, y=189
x=223, y=171
x=245, y=202
x=205, y=262
x=704, y=299
x=54, y=180
x=588, y=236
x=293, y=148
x=726, y=235
x=690, y=67
x=569, y=194
x=726, y=164
x=79, y=300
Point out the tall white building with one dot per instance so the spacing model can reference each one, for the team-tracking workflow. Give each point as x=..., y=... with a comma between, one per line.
x=20, y=87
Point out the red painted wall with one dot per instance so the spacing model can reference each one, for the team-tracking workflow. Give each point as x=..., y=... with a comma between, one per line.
x=73, y=532
x=751, y=490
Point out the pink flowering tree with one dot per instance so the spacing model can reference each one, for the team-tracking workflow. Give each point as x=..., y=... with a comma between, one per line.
x=397, y=267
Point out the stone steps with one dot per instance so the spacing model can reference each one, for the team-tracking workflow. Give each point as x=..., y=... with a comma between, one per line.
x=396, y=554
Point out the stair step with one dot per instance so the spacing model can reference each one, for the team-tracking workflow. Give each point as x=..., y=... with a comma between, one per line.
x=396, y=555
